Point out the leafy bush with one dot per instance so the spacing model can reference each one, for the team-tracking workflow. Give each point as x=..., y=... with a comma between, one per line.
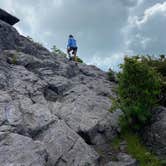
x=139, y=85
x=158, y=64
x=111, y=75
x=79, y=60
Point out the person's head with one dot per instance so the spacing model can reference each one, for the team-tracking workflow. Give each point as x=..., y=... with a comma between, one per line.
x=70, y=36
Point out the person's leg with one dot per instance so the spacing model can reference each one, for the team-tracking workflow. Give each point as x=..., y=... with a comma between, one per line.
x=68, y=52
x=75, y=54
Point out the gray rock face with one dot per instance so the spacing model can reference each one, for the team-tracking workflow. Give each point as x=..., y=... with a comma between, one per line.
x=155, y=134
x=8, y=18
x=65, y=147
x=46, y=98
x=124, y=160
x=10, y=39
x=17, y=150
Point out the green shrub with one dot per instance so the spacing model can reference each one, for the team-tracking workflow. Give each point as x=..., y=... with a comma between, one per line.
x=79, y=60
x=14, y=59
x=158, y=64
x=111, y=75
x=139, y=85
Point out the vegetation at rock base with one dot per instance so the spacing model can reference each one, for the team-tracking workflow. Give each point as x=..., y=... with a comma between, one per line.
x=111, y=75
x=136, y=149
x=14, y=59
x=138, y=91
x=158, y=64
x=79, y=60
x=141, y=86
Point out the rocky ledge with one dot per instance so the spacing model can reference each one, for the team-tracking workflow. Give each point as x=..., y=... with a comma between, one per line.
x=51, y=110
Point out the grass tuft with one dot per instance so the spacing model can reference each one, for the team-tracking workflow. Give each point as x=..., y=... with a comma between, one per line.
x=136, y=149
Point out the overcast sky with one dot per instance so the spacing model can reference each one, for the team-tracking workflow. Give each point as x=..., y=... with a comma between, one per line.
x=105, y=30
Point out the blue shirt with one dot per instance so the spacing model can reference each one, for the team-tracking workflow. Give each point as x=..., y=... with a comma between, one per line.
x=72, y=42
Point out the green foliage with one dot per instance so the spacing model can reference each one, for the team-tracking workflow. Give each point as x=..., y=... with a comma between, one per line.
x=14, y=59
x=139, y=151
x=158, y=64
x=57, y=51
x=115, y=104
x=111, y=75
x=116, y=144
x=79, y=60
x=136, y=149
x=139, y=85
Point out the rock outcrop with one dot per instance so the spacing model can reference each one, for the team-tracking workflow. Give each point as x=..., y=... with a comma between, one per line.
x=8, y=18
x=51, y=110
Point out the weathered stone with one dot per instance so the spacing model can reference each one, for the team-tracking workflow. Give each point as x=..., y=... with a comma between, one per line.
x=87, y=114
x=85, y=95
x=24, y=116
x=123, y=160
x=11, y=40
x=62, y=104
x=17, y=150
x=65, y=147
x=8, y=18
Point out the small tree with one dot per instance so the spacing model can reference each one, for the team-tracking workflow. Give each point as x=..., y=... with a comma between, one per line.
x=139, y=85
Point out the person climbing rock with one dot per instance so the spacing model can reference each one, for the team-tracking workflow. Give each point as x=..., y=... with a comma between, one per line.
x=72, y=46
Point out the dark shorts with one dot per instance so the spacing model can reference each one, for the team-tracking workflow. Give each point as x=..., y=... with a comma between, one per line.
x=73, y=49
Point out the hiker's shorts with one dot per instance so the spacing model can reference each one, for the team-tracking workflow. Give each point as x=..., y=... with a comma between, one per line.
x=72, y=49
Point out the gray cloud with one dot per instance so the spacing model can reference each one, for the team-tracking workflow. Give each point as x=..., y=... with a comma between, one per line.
x=146, y=33
x=105, y=30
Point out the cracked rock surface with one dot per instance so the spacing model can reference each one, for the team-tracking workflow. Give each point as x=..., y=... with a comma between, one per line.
x=51, y=110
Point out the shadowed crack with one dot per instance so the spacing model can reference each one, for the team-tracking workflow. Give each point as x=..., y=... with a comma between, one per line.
x=86, y=137
x=51, y=93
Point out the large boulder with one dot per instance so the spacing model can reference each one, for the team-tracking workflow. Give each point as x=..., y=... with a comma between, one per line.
x=18, y=150
x=65, y=147
x=87, y=114
x=155, y=134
